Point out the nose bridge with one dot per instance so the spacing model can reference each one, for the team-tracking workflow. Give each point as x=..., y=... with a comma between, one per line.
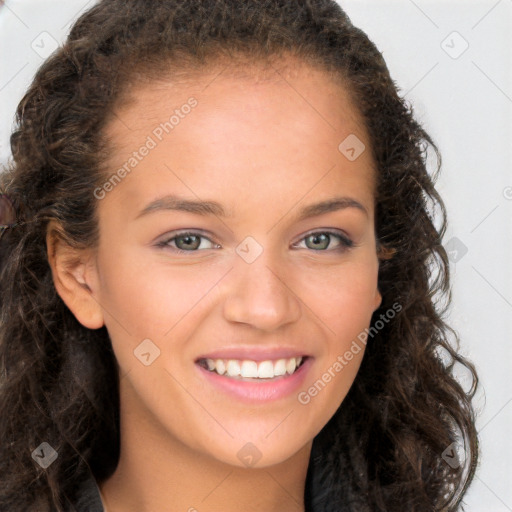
x=258, y=293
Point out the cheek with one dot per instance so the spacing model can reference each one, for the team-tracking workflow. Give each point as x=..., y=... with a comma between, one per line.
x=157, y=301
x=344, y=303
x=147, y=296
x=344, y=298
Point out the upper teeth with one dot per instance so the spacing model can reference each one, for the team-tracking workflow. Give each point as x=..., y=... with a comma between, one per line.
x=247, y=368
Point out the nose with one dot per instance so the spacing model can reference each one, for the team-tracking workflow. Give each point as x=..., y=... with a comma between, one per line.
x=260, y=295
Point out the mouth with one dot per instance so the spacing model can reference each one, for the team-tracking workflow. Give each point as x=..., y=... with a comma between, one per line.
x=253, y=371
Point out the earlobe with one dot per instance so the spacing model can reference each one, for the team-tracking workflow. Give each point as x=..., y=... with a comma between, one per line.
x=377, y=300
x=75, y=277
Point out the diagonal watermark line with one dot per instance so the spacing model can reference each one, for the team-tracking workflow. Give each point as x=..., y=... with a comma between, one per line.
x=121, y=377
x=75, y=15
x=284, y=489
x=211, y=288
x=421, y=79
x=8, y=8
x=297, y=202
x=121, y=121
x=14, y=76
x=300, y=299
x=215, y=78
x=321, y=116
x=487, y=281
x=492, y=81
x=497, y=497
x=501, y=409
x=103, y=307
x=424, y=13
x=220, y=219
x=216, y=487
x=279, y=424
x=492, y=211
x=486, y=14
x=199, y=403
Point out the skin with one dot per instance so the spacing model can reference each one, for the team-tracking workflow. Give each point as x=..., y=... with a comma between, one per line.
x=263, y=145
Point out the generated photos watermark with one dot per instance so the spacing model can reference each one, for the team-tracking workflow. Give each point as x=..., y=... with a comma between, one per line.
x=152, y=141
x=305, y=397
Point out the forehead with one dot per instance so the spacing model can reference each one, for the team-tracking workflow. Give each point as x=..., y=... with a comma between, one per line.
x=261, y=87
x=280, y=124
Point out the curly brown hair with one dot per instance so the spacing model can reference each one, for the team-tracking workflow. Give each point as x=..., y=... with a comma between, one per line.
x=382, y=450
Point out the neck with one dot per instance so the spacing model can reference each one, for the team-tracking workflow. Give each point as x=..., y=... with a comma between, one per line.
x=149, y=479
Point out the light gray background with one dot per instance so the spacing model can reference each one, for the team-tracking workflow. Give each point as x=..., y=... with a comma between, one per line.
x=463, y=96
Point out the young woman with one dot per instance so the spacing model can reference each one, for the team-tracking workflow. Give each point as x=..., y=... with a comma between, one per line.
x=221, y=288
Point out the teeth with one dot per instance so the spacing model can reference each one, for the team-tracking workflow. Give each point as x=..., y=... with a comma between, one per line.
x=233, y=368
x=252, y=369
x=249, y=369
x=265, y=370
x=220, y=367
x=291, y=365
x=280, y=366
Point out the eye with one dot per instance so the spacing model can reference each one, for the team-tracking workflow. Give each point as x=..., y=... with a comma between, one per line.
x=191, y=241
x=320, y=240
x=187, y=241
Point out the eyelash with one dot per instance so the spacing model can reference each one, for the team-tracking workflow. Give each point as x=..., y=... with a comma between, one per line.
x=345, y=242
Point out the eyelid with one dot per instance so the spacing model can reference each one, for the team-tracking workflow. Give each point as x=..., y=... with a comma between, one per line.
x=345, y=241
x=175, y=234
x=329, y=231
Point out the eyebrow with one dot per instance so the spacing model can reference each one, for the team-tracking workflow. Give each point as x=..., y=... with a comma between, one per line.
x=204, y=208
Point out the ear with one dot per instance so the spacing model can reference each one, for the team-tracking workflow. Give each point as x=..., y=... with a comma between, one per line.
x=75, y=277
x=377, y=301
x=384, y=252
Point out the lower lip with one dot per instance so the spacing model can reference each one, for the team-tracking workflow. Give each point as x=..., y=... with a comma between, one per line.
x=258, y=392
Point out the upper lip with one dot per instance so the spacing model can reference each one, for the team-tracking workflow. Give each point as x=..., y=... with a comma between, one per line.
x=254, y=354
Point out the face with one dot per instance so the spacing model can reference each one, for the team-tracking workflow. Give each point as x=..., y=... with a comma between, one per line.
x=257, y=279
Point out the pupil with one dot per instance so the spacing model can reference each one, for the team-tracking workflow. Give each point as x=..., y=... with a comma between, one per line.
x=316, y=238
x=188, y=238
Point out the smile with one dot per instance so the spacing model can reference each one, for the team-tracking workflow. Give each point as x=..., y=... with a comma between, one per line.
x=255, y=382
x=253, y=370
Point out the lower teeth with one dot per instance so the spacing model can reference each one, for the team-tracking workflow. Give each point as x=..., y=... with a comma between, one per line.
x=239, y=377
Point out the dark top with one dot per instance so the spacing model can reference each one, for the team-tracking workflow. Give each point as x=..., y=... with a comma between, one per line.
x=89, y=499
